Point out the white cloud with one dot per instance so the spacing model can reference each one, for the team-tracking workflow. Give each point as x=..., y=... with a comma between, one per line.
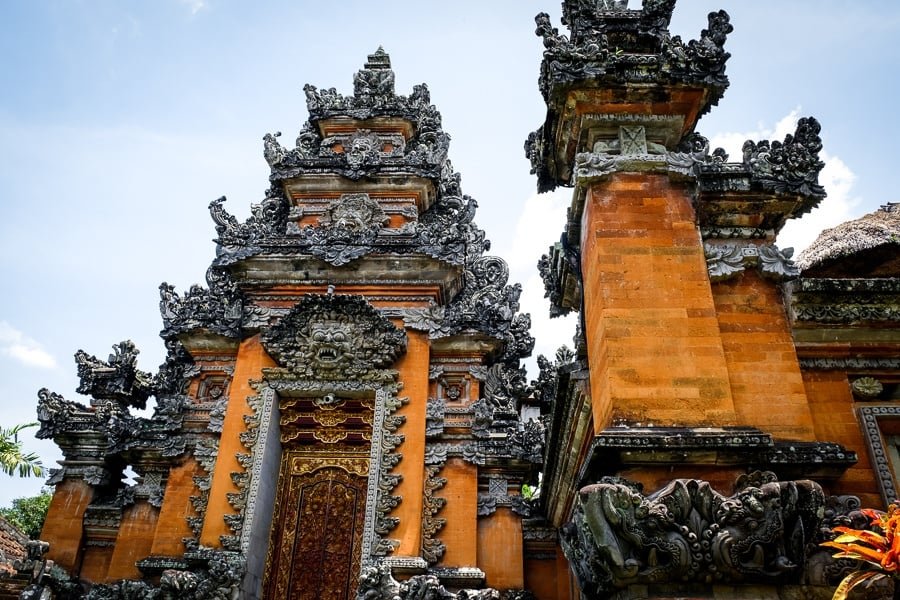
x=16, y=345
x=539, y=226
x=195, y=5
x=836, y=176
x=732, y=142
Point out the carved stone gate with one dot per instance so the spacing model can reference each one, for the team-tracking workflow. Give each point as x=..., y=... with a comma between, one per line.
x=333, y=488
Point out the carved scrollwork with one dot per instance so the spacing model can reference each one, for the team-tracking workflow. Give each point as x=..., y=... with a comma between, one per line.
x=726, y=260
x=218, y=308
x=687, y=530
x=791, y=166
x=432, y=548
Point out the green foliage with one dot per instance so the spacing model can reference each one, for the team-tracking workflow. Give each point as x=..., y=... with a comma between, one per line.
x=13, y=459
x=528, y=491
x=28, y=513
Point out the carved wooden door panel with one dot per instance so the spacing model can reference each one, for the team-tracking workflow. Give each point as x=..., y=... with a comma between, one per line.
x=317, y=533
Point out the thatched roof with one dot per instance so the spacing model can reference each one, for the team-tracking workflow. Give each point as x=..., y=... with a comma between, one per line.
x=866, y=247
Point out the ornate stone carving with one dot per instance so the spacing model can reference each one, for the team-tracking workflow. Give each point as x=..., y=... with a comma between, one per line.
x=432, y=548
x=725, y=260
x=878, y=453
x=486, y=304
x=377, y=583
x=218, y=576
x=117, y=378
x=218, y=308
x=526, y=440
x=434, y=417
x=347, y=230
x=334, y=337
x=791, y=166
x=376, y=80
x=688, y=531
x=57, y=415
x=354, y=212
x=866, y=388
x=693, y=150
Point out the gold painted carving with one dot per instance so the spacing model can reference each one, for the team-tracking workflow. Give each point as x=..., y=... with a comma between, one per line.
x=354, y=465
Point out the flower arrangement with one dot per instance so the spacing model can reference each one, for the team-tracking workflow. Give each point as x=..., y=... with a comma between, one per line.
x=879, y=548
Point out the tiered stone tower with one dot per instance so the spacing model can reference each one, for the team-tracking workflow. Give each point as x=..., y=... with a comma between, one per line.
x=344, y=396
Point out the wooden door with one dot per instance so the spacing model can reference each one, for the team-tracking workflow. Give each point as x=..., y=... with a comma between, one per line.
x=316, y=539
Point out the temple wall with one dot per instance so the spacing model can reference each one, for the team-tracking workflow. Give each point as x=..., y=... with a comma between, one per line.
x=500, y=549
x=172, y=525
x=95, y=564
x=134, y=541
x=461, y=512
x=763, y=368
x=831, y=403
x=654, y=345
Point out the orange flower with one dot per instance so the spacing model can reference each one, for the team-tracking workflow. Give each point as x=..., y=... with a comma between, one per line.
x=881, y=550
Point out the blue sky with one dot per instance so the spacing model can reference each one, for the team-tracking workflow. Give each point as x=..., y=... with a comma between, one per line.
x=120, y=121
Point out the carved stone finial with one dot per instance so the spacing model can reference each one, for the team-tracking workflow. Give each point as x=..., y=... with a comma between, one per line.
x=376, y=78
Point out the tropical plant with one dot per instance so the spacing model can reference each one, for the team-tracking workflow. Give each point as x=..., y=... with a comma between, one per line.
x=13, y=458
x=879, y=549
x=28, y=513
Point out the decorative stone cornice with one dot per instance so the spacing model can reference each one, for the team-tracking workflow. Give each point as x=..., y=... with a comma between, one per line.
x=844, y=301
x=621, y=447
x=850, y=363
x=729, y=259
x=687, y=531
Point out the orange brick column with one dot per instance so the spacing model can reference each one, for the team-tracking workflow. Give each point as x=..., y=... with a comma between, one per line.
x=763, y=366
x=500, y=550
x=655, y=351
x=251, y=359
x=133, y=542
x=63, y=525
x=413, y=369
x=176, y=508
x=461, y=512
